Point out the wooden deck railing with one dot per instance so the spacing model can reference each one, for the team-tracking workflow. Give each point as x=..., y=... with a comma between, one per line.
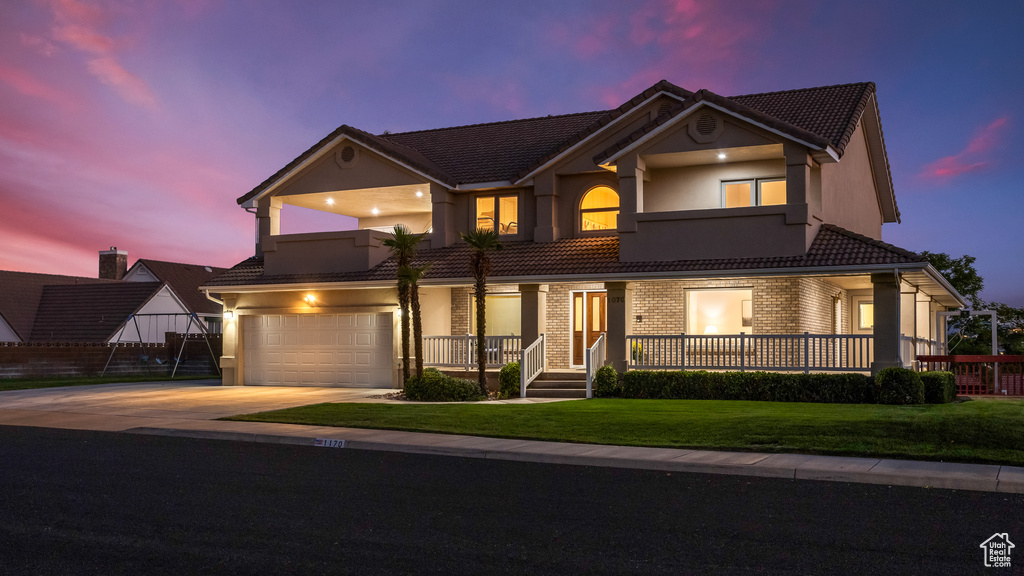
x=981, y=375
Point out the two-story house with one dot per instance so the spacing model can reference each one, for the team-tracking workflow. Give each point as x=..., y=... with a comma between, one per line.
x=676, y=213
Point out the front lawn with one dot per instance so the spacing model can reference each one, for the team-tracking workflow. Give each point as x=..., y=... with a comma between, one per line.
x=990, y=431
x=33, y=383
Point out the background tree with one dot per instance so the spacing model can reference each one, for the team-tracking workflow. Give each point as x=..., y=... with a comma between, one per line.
x=402, y=245
x=481, y=241
x=411, y=276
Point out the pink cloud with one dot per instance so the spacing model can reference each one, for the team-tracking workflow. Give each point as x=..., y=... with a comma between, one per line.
x=44, y=46
x=84, y=38
x=129, y=86
x=972, y=157
x=29, y=85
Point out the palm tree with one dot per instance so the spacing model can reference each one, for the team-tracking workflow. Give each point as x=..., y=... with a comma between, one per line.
x=481, y=241
x=411, y=276
x=402, y=245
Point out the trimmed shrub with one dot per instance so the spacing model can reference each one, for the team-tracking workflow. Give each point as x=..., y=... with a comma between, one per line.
x=434, y=386
x=939, y=387
x=606, y=383
x=509, y=380
x=762, y=386
x=899, y=386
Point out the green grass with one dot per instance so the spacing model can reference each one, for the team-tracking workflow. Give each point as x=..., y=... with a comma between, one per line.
x=987, y=431
x=33, y=383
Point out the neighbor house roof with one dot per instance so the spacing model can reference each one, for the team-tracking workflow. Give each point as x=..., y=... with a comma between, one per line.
x=185, y=280
x=508, y=151
x=20, y=293
x=88, y=312
x=833, y=247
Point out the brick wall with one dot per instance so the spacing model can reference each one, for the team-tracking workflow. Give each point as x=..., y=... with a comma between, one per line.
x=24, y=360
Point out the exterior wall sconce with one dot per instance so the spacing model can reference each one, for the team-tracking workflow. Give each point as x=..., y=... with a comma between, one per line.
x=310, y=299
x=229, y=315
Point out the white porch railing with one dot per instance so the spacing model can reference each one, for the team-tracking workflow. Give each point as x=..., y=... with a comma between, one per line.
x=912, y=347
x=460, y=351
x=531, y=364
x=806, y=352
x=594, y=359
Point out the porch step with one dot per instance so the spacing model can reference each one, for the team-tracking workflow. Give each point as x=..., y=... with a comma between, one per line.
x=566, y=375
x=557, y=389
x=532, y=392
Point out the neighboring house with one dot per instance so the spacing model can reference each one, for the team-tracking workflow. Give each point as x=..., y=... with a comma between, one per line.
x=185, y=280
x=677, y=212
x=120, y=306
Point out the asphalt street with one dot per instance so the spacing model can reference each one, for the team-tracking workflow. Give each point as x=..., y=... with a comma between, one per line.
x=77, y=502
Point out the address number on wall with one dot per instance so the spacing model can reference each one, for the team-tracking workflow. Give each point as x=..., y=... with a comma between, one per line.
x=617, y=299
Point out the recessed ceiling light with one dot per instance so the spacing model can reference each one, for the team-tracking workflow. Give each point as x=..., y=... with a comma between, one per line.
x=721, y=155
x=330, y=201
x=419, y=194
x=374, y=211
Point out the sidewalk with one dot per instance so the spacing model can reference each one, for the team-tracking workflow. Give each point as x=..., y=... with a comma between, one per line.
x=190, y=409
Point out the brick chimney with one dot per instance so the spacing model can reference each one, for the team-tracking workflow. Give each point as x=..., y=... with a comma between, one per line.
x=113, y=263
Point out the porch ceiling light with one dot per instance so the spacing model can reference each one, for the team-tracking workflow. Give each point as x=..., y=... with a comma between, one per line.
x=374, y=211
x=419, y=194
x=721, y=155
x=330, y=201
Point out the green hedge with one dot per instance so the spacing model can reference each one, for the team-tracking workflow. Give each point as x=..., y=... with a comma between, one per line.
x=939, y=387
x=764, y=386
x=509, y=380
x=606, y=383
x=898, y=386
x=434, y=386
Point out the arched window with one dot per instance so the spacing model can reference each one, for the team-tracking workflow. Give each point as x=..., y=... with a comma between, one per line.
x=599, y=209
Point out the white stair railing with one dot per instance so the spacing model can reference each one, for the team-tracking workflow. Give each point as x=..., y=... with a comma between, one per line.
x=531, y=364
x=594, y=360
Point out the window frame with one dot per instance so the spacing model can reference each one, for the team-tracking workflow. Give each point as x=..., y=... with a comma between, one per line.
x=497, y=212
x=755, y=189
x=581, y=211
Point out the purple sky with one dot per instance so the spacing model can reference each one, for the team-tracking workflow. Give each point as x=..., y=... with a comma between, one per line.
x=137, y=124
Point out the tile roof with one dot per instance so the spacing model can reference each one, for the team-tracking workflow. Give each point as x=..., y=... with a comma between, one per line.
x=593, y=255
x=20, y=293
x=510, y=150
x=185, y=280
x=88, y=312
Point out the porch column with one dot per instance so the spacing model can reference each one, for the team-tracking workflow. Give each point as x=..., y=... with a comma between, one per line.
x=886, y=299
x=534, y=301
x=620, y=311
x=443, y=216
x=230, y=367
x=268, y=221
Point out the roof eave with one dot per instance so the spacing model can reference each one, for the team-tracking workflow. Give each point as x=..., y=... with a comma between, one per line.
x=882, y=175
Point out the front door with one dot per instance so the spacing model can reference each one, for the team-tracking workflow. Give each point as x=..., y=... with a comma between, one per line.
x=589, y=316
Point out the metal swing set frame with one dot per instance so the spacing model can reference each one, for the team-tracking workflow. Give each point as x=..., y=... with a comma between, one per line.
x=134, y=320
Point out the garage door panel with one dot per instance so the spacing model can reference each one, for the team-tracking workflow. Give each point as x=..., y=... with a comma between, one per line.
x=318, y=349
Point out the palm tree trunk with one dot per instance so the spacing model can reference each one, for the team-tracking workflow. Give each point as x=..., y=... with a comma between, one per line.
x=417, y=326
x=403, y=303
x=481, y=325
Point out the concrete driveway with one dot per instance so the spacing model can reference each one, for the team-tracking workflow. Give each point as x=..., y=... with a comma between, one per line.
x=117, y=407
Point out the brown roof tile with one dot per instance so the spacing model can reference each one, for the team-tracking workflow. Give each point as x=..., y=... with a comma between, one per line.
x=20, y=293
x=833, y=247
x=500, y=151
x=88, y=312
x=185, y=280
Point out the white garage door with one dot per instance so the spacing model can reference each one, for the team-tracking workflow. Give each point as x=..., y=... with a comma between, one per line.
x=318, y=350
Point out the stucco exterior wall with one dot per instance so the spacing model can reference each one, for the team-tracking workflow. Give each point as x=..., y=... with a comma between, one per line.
x=849, y=199
x=699, y=187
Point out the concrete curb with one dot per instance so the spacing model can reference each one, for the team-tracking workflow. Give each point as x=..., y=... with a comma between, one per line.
x=953, y=476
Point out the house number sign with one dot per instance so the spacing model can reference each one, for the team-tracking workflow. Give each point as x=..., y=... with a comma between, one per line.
x=617, y=299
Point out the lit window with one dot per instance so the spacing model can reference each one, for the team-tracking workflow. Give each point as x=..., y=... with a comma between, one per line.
x=503, y=210
x=758, y=192
x=727, y=311
x=599, y=209
x=866, y=315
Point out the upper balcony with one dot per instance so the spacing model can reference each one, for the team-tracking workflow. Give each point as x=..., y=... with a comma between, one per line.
x=738, y=202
